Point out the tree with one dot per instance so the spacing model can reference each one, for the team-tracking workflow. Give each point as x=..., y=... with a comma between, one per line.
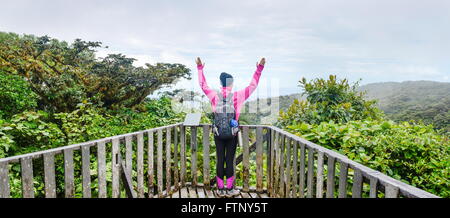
x=327, y=100
x=64, y=75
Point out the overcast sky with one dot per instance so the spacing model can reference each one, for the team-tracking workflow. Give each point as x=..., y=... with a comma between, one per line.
x=376, y=41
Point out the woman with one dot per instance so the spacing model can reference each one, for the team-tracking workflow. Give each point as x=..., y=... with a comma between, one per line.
x=226, y=106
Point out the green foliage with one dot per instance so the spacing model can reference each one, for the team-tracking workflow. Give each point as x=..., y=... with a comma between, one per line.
x=329, y=100
x=64, y=75
x=15, y=95
x=413, y=153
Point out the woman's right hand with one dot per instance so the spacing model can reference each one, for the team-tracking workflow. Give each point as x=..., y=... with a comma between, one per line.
x=199, y=62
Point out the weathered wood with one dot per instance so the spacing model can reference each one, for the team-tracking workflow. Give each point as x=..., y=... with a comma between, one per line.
x=27, y=177
x=176, y=179
x=86, y=171
x=287, y=174
x=160, y=163
x=200, y=192
x=259, y=159
x=129, y=154
x=140, y=165
x=49, y=175
x=115, y=168
x=4, y=180
x=294, y=193
x=357, y=184
x=183, y=155
x=245, y=159
x=150, y=164
x=310, y=182
x=271, y=153
x=245, y=195
x=192, y=192
x=390, y=191
x=404, y=189
x=168, y=159
x=282, y=157
x=330, y=177
x=194, y=155
x=69, y=185
x=126, y=180
x=101, y=168
x=373, y=187
x=276, y=180
x=206, y=162
x=343, y=171
x=268, y=157
x=253, y=194
x=176, y=194
x=302, y=171
x=319, y=185
x=184, y=192
x=209, y=193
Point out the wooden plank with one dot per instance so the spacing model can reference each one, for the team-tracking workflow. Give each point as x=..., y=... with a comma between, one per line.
x=357, y=184
x=194, y=155
x=330, y=177
x=150, y=164
x=27, y=177
x=160, y=163
x=253, y=195
x=390, y=191
x=176, y=194
x=277, y=156
x=343, y=171
x=86, y=171
x=310, y=181
x=168, y=159
x=184, y=192
x=115, y=168
x=183, y=155
x=140, y=165
x=287, y=174
x=319, y=185
x=4, y=180
x=129, y=154
x=126, y=179
x=294, y=193
x=209, y=193
x=192, y=192
x=302, y=171
x=49, y=175
x=69, y=185
x=206, y=161
x=282, y=157
x=373, y=187
x=263, y=195
x=245, y=195
x=272, y=163
x=200, y=192
x=259, y=160
x=245, y=159
x=176, y=179
x=101, y=168
x=268, y=158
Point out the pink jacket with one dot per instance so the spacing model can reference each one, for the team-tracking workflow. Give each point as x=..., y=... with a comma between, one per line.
x=239, y=97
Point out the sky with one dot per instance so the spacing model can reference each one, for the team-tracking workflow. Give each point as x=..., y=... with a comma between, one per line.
x=375, y=41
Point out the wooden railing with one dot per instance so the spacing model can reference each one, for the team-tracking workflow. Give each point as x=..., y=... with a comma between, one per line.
x=154, y=163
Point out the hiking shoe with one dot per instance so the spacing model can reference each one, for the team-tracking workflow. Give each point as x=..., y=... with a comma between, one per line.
x=221, y=193
x=232, y=192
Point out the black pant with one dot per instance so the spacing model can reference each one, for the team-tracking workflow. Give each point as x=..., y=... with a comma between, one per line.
x=225, y=152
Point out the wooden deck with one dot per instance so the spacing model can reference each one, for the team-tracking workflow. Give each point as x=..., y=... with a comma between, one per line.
x=201, y=192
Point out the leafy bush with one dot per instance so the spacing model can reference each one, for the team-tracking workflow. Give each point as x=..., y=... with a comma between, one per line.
x=329, y=100
x=15, y=95
x=413, y=153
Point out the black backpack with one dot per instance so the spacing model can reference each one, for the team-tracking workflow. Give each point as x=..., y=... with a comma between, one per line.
x=224, y=113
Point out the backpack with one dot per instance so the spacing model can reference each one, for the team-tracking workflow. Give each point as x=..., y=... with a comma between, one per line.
x=223, y=115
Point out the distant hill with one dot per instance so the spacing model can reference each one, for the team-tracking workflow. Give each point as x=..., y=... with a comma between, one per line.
x=401, y=101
